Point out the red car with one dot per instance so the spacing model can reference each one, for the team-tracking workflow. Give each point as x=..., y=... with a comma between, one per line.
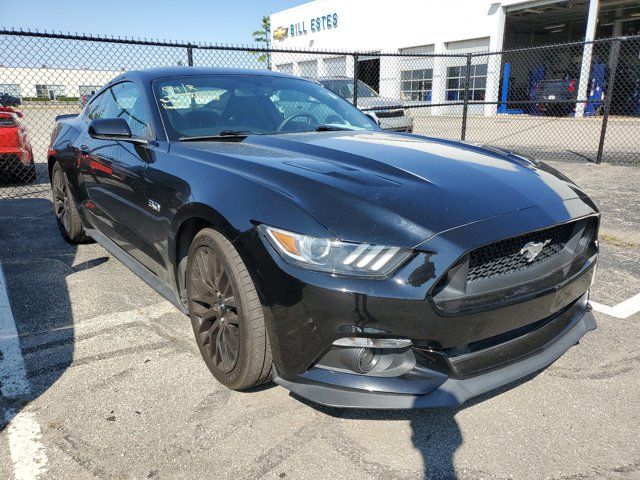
x=16, y=156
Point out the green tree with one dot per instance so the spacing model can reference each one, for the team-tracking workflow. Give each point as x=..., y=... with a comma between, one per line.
x=263, y=36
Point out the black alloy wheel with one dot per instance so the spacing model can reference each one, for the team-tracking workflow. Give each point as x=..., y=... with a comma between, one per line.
x=226, y=313
x=60, y=198
x=64, y=207
x=213, y=302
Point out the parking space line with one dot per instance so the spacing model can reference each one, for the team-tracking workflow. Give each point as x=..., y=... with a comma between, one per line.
x=27, y=452
x=13, y=376
x=622, y=310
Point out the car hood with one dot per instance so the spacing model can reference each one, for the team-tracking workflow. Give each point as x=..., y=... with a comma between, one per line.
x=388, y=188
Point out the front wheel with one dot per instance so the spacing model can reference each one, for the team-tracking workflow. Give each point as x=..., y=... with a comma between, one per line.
x=226, y=313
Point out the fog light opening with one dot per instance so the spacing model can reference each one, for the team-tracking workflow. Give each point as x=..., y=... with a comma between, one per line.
x=375, y=362
x=364, y=360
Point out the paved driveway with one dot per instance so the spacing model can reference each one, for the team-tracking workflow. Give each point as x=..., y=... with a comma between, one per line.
x=114, y=387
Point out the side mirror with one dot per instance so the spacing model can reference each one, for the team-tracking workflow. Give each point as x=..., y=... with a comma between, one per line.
x=113, y=129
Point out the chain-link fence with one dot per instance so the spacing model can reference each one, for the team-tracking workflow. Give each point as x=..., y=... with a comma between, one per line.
x=578, y=101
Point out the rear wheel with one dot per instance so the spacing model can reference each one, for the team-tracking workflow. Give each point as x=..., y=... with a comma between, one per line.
x=64, y=207
x=226, y=314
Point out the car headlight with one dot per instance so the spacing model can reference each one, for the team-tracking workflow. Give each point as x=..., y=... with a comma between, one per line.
x=334, y=256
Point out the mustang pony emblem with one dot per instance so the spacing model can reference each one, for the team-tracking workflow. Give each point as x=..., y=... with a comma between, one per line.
x=532, y=249
x=280, y=33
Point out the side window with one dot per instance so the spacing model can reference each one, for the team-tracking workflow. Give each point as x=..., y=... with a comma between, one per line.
x=94, y=108
x=122, y=100
x=127, y=102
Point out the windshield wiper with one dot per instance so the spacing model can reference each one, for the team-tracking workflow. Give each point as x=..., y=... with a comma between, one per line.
x=223, y=135
x=331, y=128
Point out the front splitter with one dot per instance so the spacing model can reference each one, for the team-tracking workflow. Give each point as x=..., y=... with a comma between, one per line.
x=452, y=392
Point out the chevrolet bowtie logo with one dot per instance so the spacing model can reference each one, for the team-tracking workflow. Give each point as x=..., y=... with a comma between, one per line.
x=280, y=33
x=532, y=249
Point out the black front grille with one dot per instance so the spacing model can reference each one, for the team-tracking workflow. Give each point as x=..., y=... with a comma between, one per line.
x=389, y=113
x=505, y=256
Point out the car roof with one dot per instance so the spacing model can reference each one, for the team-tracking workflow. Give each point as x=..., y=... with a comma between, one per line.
x=151, y=74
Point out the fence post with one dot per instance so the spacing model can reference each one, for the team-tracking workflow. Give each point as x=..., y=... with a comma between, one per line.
x=465, y=106
x=355, y=79
x=607, y=100
x=190, y=56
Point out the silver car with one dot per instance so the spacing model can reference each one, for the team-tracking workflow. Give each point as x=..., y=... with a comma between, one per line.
x=388, y=112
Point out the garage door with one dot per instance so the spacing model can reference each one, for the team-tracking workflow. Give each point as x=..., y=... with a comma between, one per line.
x=285, y=68
x=309, y=69
x=336, y=67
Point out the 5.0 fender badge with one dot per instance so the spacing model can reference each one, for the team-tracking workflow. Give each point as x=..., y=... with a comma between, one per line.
x=154, y=205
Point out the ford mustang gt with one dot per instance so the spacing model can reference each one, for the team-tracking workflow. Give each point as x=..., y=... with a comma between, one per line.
x=353, y=266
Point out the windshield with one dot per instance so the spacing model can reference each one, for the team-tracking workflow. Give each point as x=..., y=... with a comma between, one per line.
x=344, y=88
x=210, y=105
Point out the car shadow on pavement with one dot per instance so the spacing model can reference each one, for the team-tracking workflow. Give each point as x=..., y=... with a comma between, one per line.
x=36, y=262
x=435, y=433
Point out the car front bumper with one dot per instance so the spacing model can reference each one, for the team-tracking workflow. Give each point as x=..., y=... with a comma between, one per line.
x=15, y=156
x=454, y=355
x=397, y=124
x=335, y=389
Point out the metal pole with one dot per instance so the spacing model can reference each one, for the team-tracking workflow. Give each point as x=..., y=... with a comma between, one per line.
x=587, y=54
x=355, y=79
x=190, y=56
x=465, y=106
x=615, y=52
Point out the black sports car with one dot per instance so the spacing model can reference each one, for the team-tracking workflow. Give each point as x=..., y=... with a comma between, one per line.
x=556, y=96
x=353, y=266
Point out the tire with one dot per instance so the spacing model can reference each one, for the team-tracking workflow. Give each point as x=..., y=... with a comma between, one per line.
x=64, y=207
x=226, y=313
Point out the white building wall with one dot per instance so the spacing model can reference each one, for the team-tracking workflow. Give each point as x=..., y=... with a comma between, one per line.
x=387, y=26
x=28, y=78
x=380, y=25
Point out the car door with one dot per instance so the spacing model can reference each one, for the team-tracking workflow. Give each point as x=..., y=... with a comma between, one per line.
x=114, y=174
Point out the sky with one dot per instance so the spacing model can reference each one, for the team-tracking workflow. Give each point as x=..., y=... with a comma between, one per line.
x=212, y=21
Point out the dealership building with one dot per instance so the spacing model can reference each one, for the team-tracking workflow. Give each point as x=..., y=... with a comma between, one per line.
x=52, y=83
x=449, y=27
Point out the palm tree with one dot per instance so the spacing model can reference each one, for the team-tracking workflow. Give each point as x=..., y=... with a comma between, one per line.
x=264, y=36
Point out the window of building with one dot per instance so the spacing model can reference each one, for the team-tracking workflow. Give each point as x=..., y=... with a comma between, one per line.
x=477, y=82
x=309, y=69
x=50, y=91
x=285, y=68
x=417, y=84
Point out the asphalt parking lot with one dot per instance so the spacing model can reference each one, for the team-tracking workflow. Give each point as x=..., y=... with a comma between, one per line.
x=101, y=378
